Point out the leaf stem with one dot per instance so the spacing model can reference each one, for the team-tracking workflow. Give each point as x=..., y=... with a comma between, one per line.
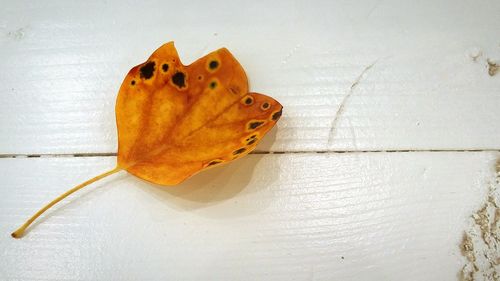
x=20, y=231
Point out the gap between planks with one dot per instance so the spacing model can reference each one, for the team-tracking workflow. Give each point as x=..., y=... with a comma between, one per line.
x=113, y=154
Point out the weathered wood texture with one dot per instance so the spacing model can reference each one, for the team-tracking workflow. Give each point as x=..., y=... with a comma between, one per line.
x=366, y=216
x=429, y=88
x=352, y=75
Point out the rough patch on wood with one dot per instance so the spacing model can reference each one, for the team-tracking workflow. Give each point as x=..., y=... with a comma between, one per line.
x=290, y=54
x=493, y=67
x=475, y=53
x=481, y=243
x=17, y=34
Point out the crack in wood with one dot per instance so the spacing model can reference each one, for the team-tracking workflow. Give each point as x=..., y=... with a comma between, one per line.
x=113, y=154
x=345, y=99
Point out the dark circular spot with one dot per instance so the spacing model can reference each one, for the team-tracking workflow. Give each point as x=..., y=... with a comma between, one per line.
x=265, y=105
x=179, y=79
x=255, y=125
x=248, y=101
x=164, y=67
x=132, y=82
x=239, y=151
x=277, y=115
x=147, y=70
x=213, y=64
x=213, y=84
x=200, y=77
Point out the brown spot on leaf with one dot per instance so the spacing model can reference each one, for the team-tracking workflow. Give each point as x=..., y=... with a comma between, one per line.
x=179, y=79
x=234, y=89
x=214, y=162
x=147, y=70
x=251, y=137
x=213, y=64
x=277, y=115
x=255, y=124
x=239, y=151
x=248, y=100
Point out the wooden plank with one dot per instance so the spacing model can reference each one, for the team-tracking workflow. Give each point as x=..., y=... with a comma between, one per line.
x=350, y=216
x=429, y=87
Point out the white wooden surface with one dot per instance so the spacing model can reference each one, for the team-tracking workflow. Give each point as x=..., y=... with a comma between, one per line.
x=62, y=64
x=366, y=216
x=353, y=76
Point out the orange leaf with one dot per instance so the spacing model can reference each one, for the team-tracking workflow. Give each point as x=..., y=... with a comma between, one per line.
x=175, y=120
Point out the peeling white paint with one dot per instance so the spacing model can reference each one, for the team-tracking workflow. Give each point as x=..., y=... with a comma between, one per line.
x=481, y=243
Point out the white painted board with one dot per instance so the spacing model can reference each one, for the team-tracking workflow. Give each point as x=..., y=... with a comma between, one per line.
x=352, y=76
x=62, y=62
x=349, y=216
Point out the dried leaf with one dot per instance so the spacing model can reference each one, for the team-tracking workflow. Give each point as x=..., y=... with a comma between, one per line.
x=175, y=120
